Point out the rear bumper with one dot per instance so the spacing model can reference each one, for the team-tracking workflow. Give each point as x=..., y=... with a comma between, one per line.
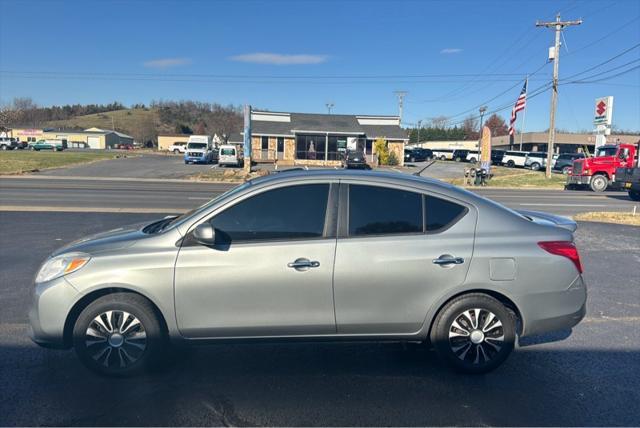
x=554, y=311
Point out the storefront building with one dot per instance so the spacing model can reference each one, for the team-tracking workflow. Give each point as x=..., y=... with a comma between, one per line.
x=321, y=139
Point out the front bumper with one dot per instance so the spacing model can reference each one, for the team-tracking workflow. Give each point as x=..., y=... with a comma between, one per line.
x=579, y=179
x=555, y=310
x=195, y=159
x=51, y=303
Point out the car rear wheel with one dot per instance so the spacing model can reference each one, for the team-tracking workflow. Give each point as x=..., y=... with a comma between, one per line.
x=566, y=170
x=119, y=335
x=599, y=183
x=535, y=166
x=473, y=160
x=176, y=151
x=511, y=164
x=3, y=147
x=474, y=333
x=412, y=159
x=443, y=158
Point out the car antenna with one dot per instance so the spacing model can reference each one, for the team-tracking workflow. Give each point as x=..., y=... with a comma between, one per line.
x=419, y=173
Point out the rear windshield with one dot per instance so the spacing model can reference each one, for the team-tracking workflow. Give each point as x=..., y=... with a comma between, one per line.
x=228, y=152
x=353, y=155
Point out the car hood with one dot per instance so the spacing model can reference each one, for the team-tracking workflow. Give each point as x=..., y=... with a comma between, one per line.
x=115, y=239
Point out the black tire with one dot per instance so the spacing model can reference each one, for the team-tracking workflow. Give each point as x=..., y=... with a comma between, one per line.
x=3, y=147
x=106, y=356
x=634, y=195
x=443, y=157
x=599, y=183
x=412, y=159
x=176, y=151
x=464, y=354
x=511, y=164
x=566, y=169
x=535, y=166
x=473, y=160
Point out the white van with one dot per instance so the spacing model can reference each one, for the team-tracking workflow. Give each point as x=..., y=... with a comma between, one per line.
x=229, y=155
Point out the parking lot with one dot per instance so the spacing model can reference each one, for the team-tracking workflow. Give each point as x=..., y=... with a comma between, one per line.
x=586, y=378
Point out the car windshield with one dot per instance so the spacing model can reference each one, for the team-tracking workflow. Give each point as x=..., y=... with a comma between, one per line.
x=197, y=146
x=606, y=151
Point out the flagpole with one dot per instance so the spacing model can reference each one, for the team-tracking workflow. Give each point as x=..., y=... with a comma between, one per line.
x=524, y=114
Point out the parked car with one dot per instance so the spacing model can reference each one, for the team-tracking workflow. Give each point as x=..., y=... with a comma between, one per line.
x=565, y=162
x=177, y=147
x=513, y=158
x=229, y=156
x=417, y=155
x=355, y=159
x=198, y=153
x=282, y=257
x=460, y=155
x=535, y=160
x=473, y=156
x=55, y=145
x=497, y=156
x=443, y=154
x=8, y=143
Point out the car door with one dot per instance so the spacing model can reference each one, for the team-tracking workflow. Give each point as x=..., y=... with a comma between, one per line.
x=392, y=261
x=270, y=272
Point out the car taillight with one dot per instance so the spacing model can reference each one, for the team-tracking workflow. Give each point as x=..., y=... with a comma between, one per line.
x=563, y=248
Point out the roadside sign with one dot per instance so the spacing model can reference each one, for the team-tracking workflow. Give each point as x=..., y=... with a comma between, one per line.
x=603, y=111
x=485, y=148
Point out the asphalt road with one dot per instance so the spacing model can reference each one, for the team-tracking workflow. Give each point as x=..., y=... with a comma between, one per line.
x=589, y=378
x=135, y=195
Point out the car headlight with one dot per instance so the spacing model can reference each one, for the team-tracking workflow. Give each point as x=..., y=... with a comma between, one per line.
x=61, y=265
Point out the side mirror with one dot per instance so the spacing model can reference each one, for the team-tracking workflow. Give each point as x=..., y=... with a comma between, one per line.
x=204, y=234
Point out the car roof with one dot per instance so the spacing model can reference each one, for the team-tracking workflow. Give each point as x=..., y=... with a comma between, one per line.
x=367, y=177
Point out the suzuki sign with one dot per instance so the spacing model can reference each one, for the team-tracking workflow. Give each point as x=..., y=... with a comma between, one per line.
x=603, y=110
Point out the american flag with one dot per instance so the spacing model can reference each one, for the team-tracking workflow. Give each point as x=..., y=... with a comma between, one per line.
x=521, y=103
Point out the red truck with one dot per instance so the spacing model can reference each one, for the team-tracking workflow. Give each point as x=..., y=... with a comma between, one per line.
x=599, y=171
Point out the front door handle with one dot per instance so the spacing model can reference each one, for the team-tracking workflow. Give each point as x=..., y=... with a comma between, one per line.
x=446, y=260
x=303, y=264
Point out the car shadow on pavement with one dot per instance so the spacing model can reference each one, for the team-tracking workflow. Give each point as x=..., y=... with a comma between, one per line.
x=311, y=384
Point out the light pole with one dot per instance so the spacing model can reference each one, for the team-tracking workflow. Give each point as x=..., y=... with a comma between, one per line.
x=419, y=129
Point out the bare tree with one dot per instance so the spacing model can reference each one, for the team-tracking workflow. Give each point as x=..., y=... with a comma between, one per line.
x=439, y=121
x=470, y=127
x=145, y=131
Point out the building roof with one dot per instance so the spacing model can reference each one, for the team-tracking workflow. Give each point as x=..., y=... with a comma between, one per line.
x=106, y=131
x=279, y=123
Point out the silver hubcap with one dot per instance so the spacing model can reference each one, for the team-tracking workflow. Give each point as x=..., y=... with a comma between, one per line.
x=476, y=336
x=116, y=339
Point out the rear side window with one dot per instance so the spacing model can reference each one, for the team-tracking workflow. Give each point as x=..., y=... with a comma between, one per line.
x=294, y=212
x=383, y=211
x=441, y=213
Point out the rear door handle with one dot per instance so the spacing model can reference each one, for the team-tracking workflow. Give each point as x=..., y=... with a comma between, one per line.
x=303, y=264
x=448, y=260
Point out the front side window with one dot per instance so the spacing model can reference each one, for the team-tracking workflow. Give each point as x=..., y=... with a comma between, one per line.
x=287, y=213
x=383, y=211
x=441, y=213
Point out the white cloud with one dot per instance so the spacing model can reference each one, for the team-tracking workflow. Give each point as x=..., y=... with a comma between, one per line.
x=279, y=59
x=448, y=51
x=167, y=62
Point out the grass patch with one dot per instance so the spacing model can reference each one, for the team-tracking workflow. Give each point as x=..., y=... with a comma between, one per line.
x=21, y=161
x=610, y=217
x=520, y=178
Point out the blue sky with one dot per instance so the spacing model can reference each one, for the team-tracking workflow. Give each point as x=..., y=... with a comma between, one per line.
x=299, y=55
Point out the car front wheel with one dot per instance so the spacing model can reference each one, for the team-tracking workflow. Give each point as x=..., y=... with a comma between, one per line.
x=511, y=164
x=474, y=333
x=599, y=183
x=118, y=335
x=535, y=166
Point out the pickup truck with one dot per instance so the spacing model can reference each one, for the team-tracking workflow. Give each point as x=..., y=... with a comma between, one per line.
x=599, y=171
x=7, y=143
x=629, y=178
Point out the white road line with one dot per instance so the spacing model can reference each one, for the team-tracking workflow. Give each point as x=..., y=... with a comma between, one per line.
x=199, y=199
x=92, y=209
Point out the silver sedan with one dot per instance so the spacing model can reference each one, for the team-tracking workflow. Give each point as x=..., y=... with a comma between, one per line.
x=308, y=255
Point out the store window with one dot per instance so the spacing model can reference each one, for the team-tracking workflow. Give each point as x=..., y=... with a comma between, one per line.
x=312, y=147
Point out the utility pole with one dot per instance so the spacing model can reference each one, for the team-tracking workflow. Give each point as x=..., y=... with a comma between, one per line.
x=482, y=110
x=419, y=129
x=329, y=107
x=558, y=25
x=400, y=95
